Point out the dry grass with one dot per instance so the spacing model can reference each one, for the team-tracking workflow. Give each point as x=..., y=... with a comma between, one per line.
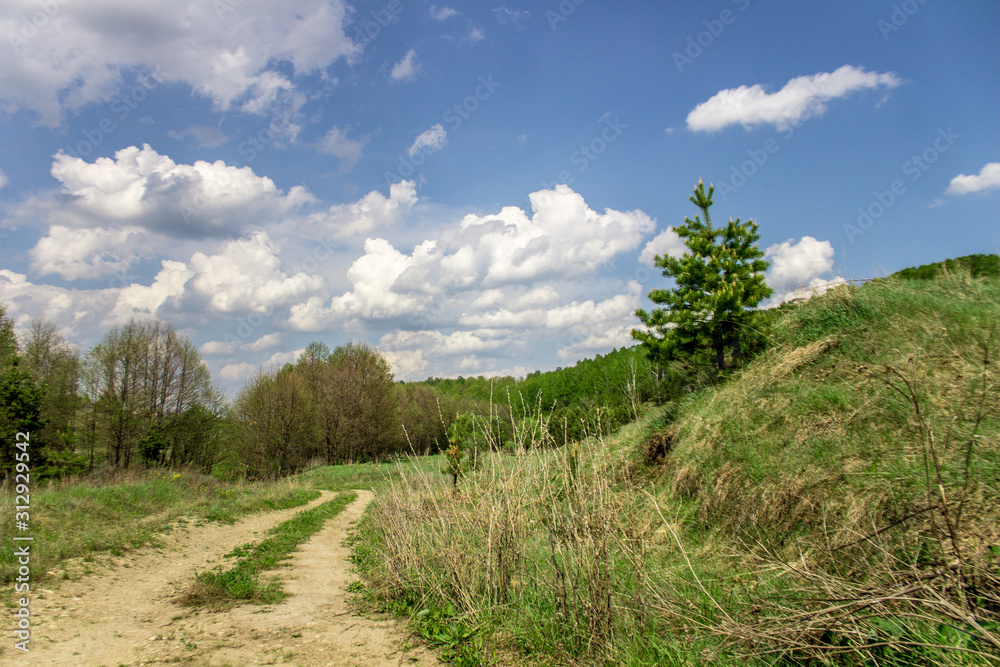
x=555, y=540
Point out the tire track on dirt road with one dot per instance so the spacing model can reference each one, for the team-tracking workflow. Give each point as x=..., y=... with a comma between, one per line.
x=128, y=615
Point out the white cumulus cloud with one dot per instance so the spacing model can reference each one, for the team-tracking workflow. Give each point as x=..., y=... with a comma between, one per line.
x=142, y=188
x=140, y=300
x=110, y=212
x=240, y=372
x=800, y=98
x=75, y=312
x=371, y=212
x=666, y=243
x=265, y=342
x=988, y=178
x=492, y=271
x=246, y=276
x=798, y=269
x=231, y=53
x=372, y=276
x=87, y=253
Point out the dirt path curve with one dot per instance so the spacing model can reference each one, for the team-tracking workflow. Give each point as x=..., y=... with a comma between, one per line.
x=129, y=615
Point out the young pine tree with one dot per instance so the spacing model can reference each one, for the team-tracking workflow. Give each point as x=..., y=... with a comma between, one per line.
x=710, y=317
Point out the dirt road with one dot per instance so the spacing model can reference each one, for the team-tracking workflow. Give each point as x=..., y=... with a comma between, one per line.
x=127, y=614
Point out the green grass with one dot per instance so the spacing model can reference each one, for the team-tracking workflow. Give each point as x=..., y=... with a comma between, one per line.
x=74, y=521
x=242, y=582
x=366, y=476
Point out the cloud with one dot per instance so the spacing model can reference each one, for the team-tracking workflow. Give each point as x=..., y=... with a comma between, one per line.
x=406, y=364
x=144, y=189
x=442, y=13
x=246, y=276
x=205, y=136
x=475, y=35
x=371, y=212
x=514, y=18
x=372, y=276
x=244, y=370
x=87, y=253
x=801, y=98
x=794, y=264
x=243, y=276
x=438, y=344
x=592, y=315
x=264, y=343
x=563, y=236
x=406, y=69
x=988, y=178
x=584, y=328
x=797, y=269
x=3, y=179
x=563, y=239
x=114, y=212
x=430, y=141
x=110, y=212
x=239, y=55
x=666, y=242
x=139, y=300
x=337, y=143
x=614, y=336
x=70, y=309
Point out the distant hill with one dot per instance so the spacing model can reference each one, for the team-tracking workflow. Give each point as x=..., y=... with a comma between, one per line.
x=978, y=265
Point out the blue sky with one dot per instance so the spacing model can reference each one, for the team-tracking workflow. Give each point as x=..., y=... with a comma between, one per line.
x=474, y=188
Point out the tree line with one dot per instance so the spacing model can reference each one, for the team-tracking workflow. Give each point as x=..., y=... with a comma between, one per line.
x=143, y=397
x=140, y=396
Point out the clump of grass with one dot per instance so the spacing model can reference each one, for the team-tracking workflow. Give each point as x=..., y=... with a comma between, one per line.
x=242, y=582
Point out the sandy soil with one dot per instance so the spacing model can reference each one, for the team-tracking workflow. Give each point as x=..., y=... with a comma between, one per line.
x=127, y=613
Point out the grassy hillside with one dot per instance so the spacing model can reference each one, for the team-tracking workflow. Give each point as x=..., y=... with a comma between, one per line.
x=866, y=394
x=836, y=502
x=860, y=459
x=978, y=266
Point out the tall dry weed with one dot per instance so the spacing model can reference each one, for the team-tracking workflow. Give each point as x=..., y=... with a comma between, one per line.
x=553, y=538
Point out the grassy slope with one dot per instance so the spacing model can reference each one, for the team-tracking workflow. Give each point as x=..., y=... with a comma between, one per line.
x=979, y=266
x=859, y=459
x=729, y=546
x=813, y=432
